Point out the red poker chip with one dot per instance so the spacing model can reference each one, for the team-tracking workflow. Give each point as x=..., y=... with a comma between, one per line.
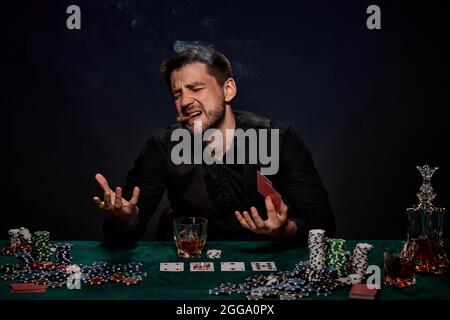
x=24, y=248
x=48, y=266
x=117, y=277
x=8, y=251
x=60, y=266
x=96, y=280
x=38, y=266
x=130, y=281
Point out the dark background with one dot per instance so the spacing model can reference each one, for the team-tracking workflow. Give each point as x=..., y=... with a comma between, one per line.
x=371, y=105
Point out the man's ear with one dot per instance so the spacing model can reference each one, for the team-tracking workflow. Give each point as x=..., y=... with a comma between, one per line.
x=229, y=90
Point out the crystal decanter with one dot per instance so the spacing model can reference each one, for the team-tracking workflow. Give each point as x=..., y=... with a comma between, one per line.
x=425, y=226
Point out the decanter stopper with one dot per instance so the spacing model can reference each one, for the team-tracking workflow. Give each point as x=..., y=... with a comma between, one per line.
x=426, y=194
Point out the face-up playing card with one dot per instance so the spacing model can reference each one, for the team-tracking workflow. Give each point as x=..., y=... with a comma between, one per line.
x=232, y=266
x=202, y=266
x=265, y=188
x=171, y=266
x=264, y=266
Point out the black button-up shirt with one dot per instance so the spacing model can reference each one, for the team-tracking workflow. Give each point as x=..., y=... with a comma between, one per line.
x=216, y=191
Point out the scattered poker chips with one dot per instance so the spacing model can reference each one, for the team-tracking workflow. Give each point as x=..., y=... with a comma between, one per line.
x=41, y=246
x=287, y=285
x=327, y=269
x=55, y=275
x=214, y=254
x=101, y=272
x=34, y=265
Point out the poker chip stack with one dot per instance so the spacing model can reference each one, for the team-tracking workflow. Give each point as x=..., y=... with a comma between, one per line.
x=56, y=278
x=360, y=258
x=14, y=237
x=317, y=248
x=24, y=235
x=338, y=257
x=19, y=241
x=63, y=253
x=327, y=268
x=14, y=242
x=35, y=266
x=19, y=236
x=25, y=260
x=41, y=246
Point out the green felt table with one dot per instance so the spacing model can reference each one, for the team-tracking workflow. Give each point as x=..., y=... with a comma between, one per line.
x=194, y=285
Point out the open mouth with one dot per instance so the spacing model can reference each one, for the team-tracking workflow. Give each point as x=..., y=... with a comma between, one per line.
x=188, y=116
x=194, y=114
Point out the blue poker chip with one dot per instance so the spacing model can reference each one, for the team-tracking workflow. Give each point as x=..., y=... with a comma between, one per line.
x=243, y=291
x=216, y=291
x=297, y=281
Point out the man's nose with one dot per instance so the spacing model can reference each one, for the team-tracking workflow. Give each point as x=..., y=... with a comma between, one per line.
x=186, y=101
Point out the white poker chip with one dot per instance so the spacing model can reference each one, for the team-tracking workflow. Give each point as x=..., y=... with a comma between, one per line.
x=317, y=248
x=214, y=254
x=329, y=266
x=72, y=268
x=360, y=259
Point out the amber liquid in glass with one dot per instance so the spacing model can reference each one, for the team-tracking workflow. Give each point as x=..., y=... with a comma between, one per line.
x=425, y=257
x=400, y=272
x=190, y=248
x=441, y=263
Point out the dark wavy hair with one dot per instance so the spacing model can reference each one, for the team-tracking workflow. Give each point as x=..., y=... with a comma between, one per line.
x=218, y=64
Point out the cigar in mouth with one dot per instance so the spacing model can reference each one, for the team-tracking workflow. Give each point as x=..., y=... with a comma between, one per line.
x=183, y=118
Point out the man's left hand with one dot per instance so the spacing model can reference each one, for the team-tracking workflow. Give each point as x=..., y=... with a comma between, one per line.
x=277, y=224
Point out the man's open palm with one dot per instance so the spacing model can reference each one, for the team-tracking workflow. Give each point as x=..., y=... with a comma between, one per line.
x=113, y=202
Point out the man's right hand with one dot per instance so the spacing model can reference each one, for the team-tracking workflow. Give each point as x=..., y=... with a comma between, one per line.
x=124, y=213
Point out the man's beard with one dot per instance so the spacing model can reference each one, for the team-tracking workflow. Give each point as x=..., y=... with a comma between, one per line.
x=213, y=118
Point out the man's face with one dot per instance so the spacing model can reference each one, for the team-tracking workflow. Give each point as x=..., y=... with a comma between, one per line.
x=197, y=93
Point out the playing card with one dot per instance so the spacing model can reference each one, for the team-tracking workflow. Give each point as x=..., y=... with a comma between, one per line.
x=263, y=266
x=27, y=288
x=171, y=266
x=202, y=266
x=29, y=291
x=276, y=200
x=232, y=266
x=264, y=185
x=361, y=291
x=265, y=188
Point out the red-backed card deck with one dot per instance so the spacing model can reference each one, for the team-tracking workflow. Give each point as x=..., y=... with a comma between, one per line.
x=266, y=189
x=362, y=291
x=27, y=288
